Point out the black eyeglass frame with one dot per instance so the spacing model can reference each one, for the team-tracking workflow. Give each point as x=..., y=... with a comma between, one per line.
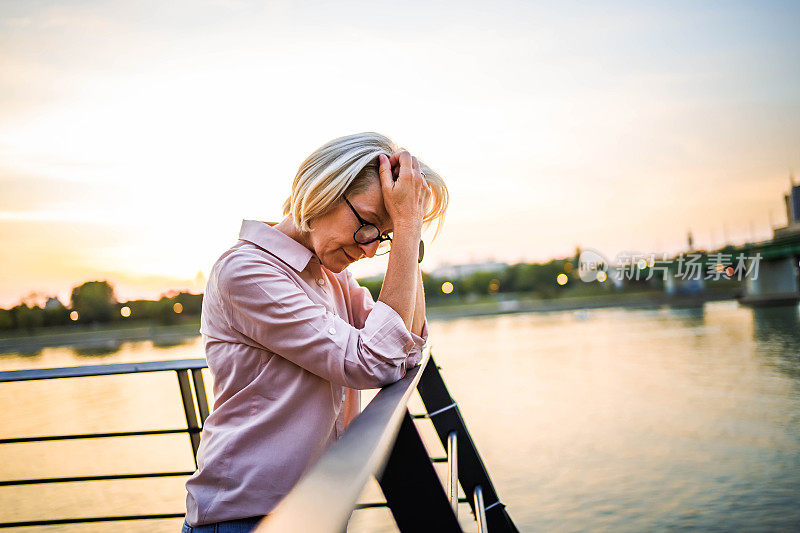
x=380, y=238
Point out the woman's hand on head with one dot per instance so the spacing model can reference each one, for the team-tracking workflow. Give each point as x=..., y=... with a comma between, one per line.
x=405, y=192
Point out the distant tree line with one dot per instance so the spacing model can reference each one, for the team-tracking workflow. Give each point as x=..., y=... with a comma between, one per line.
x=553, y=279
x=94, y=302
x=535, y=279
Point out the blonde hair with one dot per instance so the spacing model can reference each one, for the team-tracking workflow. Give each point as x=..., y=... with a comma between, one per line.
x=348, y=165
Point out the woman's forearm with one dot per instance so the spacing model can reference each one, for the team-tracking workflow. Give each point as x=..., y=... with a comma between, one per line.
x=419, y=307
x=399, y=290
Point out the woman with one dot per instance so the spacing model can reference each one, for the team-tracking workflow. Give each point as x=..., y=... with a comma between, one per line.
x=290, y=337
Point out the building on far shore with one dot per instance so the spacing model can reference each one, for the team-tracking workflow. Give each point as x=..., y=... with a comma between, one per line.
x=792, y=212
x=459, y=271
x=53, y=303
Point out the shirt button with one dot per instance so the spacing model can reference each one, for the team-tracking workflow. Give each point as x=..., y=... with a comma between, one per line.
x=331, y=330
x=320, y=282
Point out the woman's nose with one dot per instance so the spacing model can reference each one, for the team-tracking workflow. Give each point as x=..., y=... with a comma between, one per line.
x=370, y=249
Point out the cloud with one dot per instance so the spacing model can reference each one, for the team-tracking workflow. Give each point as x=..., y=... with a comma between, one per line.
x=22, y=192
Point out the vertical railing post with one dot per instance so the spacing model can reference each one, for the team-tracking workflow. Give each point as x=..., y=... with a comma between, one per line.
x=412, y=488
x=200, y=394
x=480, y=509
x=189, y=411
x=452, y=470
x=446, y=418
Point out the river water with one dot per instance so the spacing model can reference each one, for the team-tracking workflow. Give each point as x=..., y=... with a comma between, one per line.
x=607, y=420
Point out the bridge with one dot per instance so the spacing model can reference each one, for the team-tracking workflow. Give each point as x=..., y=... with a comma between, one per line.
x=776, y=283
x=773, y=278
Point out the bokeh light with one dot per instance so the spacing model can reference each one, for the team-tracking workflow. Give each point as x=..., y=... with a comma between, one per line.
x=494, y=285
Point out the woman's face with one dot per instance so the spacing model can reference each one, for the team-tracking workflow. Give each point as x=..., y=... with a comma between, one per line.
x=332, y=233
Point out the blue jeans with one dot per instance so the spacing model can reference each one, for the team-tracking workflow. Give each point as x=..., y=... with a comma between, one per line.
x=242, y=525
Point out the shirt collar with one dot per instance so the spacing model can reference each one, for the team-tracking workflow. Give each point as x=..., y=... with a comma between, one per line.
x=288, y=250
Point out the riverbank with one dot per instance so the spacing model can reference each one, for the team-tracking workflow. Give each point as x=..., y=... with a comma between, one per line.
x=99, y=337
x=110, y=337
x=516, y=304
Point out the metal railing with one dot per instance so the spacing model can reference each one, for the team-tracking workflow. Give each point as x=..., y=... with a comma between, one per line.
x=382, y=441
x=195, y=402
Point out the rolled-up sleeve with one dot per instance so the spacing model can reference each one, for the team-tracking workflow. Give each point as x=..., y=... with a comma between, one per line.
x=415, y=356
x=362, y=303
x=265, y=305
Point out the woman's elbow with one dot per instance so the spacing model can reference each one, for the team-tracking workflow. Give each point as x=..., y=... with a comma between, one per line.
x=376, y=375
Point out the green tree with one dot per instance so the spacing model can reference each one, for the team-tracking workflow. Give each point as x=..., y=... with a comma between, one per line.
x=164, y=311
x=94, y=301
x=141, y=309
x=478, y=282
x=27, y=317
x=192, y=303
x=433, y=287
x=55, y=314
x=6, y=320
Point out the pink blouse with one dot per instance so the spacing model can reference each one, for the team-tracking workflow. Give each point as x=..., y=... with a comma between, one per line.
x=289, y=344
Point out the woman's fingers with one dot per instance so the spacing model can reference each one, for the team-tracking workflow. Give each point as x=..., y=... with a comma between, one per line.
x=385, y=171
x=394, y=160
x=405, y=164
x=406, y=192
x=409, y=165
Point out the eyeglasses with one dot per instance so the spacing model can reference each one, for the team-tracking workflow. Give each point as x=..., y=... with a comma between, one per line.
x=368, y=233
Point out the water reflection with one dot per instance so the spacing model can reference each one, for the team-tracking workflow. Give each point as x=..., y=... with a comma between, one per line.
x=24, y=353
x=777, y=333
x=169, y=343
x=634, y=420
x=163, y=348
x=691, y=316
x=777, y=324
x=104, y=349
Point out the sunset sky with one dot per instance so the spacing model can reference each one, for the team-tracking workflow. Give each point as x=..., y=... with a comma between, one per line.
x=135, y=136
